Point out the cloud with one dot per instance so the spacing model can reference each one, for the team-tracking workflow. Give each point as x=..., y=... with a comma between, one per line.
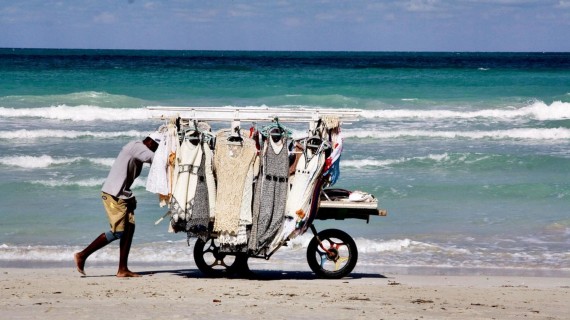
x=563, y=4
x=105, y=18
x=243, y=10
x=422, y=5
x=292, y=22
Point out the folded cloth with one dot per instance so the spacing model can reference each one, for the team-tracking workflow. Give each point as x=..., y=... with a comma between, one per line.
x=360, y=196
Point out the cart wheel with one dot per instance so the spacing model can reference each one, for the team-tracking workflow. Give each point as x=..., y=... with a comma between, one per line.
x=213, y=263
x=334, y=256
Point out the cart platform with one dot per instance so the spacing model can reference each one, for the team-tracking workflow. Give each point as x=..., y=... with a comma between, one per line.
x=335, y=204
x=340, y=210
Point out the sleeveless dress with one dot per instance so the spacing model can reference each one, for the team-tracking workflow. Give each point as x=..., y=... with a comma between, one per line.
x=188, y=162
x=198, y=223
x=301, y=196
x=271, y=195
x=233, y=164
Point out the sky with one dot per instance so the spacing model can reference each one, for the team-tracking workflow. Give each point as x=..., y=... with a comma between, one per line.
x=290, y=25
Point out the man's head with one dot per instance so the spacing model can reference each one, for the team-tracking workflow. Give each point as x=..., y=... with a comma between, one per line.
x=152, y=141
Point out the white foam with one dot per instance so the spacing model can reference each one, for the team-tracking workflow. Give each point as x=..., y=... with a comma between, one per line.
x=367, y=245
x=388, y=162
x=66, y=134
x=538, y=110
x=78, y=113
x=525, y=134
x=91, y=182
x=44, y=161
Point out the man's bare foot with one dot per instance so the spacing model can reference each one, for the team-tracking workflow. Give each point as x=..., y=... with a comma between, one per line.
x=79, y=262
x=127, y=274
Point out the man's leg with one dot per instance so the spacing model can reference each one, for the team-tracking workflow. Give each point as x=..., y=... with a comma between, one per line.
x=126, y=241
x=97, y=244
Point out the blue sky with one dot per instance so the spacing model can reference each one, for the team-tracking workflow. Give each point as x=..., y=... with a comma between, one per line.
x=348, y=25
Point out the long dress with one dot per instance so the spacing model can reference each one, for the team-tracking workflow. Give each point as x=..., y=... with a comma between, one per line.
x=301, y=196
x=271, y=194
x=233, y=164
x=205, y=197
x=188, y=162
x=200, y=218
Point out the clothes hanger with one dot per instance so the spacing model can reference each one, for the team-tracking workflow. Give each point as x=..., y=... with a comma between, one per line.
x=235, y=137
x=193, y=134
x=276, y=130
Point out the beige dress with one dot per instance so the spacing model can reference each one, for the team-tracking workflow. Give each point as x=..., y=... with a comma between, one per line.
x=234, y=168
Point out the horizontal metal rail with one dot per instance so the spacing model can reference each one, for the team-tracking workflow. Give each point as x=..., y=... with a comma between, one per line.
x=253, y=113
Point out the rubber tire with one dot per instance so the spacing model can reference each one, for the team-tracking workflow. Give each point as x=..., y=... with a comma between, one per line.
x=201, y=248
x=314, y=252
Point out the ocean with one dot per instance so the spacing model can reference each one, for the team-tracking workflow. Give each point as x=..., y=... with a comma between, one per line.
x=468, y=152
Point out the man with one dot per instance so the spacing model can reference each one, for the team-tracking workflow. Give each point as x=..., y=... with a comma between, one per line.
x=120, y=202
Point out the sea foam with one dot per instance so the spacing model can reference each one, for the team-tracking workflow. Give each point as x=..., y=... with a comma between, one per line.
x=45, y=161
x=86, y=183
x=517, y=134
x=67, y=134
x=538, y=110
x=78, y=113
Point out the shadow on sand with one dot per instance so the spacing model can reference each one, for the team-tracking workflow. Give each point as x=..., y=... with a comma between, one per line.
x=265, y=275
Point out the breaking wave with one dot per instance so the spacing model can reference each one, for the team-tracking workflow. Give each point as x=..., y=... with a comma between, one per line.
x=78, y=113
x=44, y=161
x=67, y=134
x=538, y=110
x=518, y=134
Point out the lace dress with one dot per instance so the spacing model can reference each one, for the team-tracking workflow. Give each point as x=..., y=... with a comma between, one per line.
x=234, y=166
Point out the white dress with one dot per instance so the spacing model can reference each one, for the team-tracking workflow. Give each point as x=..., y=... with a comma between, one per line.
x=187, y=162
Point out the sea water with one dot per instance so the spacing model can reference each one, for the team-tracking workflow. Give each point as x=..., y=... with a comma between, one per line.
x=468, y=152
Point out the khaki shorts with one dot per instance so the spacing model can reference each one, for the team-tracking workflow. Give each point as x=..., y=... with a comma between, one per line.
x=117, y=211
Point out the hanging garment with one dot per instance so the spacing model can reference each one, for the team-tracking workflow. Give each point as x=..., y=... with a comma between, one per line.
x=332, y=163
x=157, y=181
x=204, y=198
x=188, y=162
x=300, y=197
x=234, y=164
x=270, y=195
x=172, y=145
x=198, y=223
x=160, y=175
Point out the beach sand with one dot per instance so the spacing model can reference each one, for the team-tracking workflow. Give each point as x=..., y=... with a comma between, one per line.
x=175, y=293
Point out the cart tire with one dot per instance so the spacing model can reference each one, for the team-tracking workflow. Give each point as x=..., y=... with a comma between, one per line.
x=335, y=258
x=213, y=263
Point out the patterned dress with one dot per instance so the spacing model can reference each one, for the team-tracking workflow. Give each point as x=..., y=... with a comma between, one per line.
x=233, y=164
x=188, y=162
x=270, y=195
x=200, y=218
x=301, y=196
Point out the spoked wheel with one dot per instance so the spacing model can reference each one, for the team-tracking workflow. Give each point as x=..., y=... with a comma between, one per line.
x=214, y=263
x=332, y=254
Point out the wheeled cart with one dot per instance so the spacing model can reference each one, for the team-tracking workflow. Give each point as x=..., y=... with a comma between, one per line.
x=331, y=253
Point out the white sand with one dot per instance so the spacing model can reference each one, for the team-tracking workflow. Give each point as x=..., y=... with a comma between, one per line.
x=174, y=293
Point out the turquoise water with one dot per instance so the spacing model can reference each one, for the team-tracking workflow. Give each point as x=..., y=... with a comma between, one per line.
x=468, y=152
